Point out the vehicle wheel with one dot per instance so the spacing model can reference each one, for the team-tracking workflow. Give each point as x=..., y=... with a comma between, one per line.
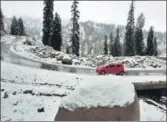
x=121, y=73
x=103, y=73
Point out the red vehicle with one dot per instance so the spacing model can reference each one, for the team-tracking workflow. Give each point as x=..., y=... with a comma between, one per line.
x=114, y=68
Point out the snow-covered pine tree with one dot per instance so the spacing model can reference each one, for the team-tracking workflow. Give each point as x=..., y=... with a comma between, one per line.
x=21, y=27
x=1, y=22
x=117, y=45
x=155, y=47
x=139, y=44
x=75, y=29
x=111, y=44
x=150, y=38
x=129, y=44
x=15, y=27
x=55, y=39
x=105, y=45
x=47, y=20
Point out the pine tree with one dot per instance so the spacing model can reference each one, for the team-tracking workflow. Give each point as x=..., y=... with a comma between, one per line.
x=143, y=51
x=55, y=39
x=117, y=45
x=155, y=47
x=75, y=28
x=1, y=21
x=21, y=27
x=15, y=27
x=111, y=44
x=47, y=20
x=139, y=44
x=113, y=49
x=68, y=49
x=105, y=45
x=129, y=44
x=150, y=42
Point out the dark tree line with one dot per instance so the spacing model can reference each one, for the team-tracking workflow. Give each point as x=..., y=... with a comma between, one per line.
x=2, y=29
x=55, y=39
x=133, y=43
x=47, y=20
x=75, y=28
x=105, y=45
x=133, y=40
x=139, y=43
x=52, y=30
x=129, y=43
x=115, y=45
x=17, y=27
x=151, y=43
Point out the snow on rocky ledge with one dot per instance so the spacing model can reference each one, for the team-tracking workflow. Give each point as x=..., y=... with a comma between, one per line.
x=100, y=92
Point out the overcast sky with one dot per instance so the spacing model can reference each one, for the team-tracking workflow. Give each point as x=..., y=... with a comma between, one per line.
x=114, y=12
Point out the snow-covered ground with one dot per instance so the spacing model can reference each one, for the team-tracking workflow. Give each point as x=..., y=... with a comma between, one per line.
x=27, y=51
x=34, y=94
x=151, y=113
x=38, y=52
x=163, y=54
x=7, y=39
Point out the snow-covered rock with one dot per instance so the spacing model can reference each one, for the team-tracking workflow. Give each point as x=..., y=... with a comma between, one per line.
x=67, y=60
x=76, y=62
x=100, y=92
x=28, y=42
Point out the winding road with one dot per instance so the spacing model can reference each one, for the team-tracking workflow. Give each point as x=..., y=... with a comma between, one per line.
x=8, y=56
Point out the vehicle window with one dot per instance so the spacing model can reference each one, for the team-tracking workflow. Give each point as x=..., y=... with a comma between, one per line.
x=118, y=66
x=112, y=66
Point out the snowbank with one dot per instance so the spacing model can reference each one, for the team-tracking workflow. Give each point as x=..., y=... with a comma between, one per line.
x=101, y=93
x=151, y=113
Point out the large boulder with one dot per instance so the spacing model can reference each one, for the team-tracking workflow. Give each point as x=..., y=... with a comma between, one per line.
x=59, y=57
x=28, y=42
x=66, y=60
x=76, y=62
x=99, y=100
